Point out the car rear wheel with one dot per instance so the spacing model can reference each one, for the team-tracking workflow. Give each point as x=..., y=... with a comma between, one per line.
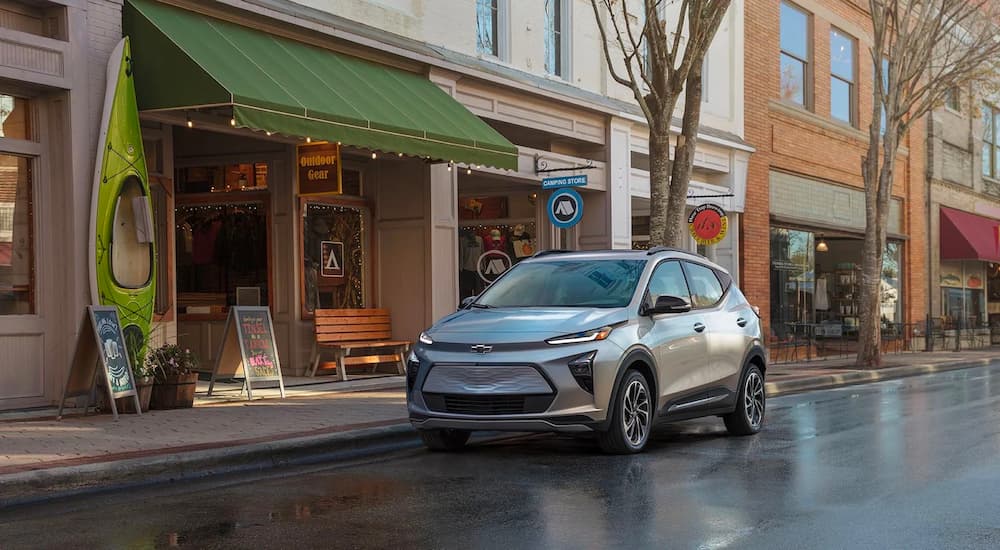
x=748, y=417
x=632, y=417
x=445, y=439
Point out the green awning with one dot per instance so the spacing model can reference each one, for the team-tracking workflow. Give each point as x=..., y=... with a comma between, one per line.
x=185, y=60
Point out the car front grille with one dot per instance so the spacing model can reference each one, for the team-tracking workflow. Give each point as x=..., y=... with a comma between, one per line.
x=487, y=405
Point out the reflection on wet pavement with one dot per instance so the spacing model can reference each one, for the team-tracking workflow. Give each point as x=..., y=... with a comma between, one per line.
x=903, y=464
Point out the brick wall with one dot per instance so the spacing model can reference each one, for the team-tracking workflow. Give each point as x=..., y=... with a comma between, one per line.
x=810, y=144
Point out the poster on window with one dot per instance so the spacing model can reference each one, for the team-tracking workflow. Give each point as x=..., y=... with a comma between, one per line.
x=332, y=254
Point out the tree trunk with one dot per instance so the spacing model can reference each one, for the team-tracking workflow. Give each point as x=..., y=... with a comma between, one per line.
x=876, y=217
x=680, y=175
x=659, y=184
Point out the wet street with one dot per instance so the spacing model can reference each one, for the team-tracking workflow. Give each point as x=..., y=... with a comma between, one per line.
x=912, y=463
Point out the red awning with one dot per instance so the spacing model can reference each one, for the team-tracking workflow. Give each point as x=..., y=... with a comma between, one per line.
x=966, y=236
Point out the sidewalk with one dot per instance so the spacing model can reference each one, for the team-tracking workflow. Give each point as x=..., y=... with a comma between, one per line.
x=327, y=421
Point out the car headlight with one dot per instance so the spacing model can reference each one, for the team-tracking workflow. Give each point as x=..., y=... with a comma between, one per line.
x=424, y=339
x=587, y=336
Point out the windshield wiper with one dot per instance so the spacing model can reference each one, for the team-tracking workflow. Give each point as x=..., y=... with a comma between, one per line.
x=480, y=306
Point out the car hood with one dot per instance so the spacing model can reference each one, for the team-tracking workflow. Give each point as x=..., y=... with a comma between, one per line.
x=516, y=325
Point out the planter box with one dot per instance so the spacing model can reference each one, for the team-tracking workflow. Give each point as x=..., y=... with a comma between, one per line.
x=174, y=392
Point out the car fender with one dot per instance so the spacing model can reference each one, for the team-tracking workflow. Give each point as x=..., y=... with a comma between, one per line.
x=631, y=356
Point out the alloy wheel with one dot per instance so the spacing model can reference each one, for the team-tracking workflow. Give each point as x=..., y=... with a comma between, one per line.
x=753, y=399
x=635, y=409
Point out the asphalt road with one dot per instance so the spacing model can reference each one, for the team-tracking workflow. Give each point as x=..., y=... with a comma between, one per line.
x=912, y=463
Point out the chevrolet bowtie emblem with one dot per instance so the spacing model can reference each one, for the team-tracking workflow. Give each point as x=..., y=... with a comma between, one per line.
x=480, y=348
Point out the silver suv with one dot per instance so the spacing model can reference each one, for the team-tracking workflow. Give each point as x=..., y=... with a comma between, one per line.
x=609, y=342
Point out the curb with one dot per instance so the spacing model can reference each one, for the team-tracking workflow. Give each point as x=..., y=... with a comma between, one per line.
x=826, y=381
x=40, y=485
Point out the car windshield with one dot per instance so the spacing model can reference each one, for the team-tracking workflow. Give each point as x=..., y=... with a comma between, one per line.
x=565, y=283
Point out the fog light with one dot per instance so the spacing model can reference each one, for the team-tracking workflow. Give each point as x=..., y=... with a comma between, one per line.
x=582, y=369
x=412, y=368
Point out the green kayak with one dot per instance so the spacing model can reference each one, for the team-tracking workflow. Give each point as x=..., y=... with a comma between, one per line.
x=121, y=239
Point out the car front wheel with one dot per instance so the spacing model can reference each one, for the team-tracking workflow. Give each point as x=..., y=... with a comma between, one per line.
x=748, y=417
x=631, y=419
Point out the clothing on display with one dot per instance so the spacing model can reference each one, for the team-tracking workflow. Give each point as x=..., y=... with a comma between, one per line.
x=822, y=298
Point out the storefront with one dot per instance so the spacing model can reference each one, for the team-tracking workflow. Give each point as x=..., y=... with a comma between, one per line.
x=968, y=276
x=816, y=245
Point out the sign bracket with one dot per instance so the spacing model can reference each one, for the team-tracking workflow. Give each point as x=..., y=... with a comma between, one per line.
x=542, y=166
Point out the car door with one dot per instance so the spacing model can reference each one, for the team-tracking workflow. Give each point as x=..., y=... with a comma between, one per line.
x=724, y=330
x=677, y=340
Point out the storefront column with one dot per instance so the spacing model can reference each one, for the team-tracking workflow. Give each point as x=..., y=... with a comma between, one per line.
x=442, y=269
x=607, y=217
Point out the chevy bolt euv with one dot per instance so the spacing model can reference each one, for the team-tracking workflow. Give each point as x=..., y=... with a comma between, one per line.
x=609, y=343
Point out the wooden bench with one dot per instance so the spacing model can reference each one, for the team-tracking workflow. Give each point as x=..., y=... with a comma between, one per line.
x=345, y=330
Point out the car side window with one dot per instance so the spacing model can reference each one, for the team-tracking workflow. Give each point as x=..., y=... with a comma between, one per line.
x=668, y=280
x=706, y=290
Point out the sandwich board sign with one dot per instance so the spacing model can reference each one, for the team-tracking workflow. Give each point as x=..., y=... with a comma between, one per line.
x=248, y=349
x=100, y=352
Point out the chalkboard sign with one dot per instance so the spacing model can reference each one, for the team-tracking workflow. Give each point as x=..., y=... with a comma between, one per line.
x=101, y=349
x=248, y=349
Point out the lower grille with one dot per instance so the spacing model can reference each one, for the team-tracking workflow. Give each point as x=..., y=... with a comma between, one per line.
x=487, y=404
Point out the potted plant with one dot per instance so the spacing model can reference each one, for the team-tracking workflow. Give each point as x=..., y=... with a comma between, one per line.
x=175, y=381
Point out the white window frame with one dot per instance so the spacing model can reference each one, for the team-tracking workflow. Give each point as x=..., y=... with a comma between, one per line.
x=503, y=32
x=565, y=40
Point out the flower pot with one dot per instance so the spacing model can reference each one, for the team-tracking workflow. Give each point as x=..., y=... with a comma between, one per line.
x=144, y=386
x=174, y=391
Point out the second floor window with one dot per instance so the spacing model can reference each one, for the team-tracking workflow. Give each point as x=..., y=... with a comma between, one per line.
x=554, y=36
x=794, y=55
x=487, y=27
x=842, y=76
x=991, y=149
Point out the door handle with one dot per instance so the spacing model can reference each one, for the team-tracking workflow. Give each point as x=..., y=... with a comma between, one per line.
x=699, y=327
x=741, y=322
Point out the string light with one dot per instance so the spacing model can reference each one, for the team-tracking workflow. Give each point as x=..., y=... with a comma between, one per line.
x=309, y=140
x=268, y=132
x=400, y=154
x=189, y=123
x=449, y=167
x=232, y=122
x=374, y=155
x=468, y=171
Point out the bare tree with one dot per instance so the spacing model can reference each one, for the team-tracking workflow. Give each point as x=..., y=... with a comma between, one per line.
x=921, y=50
x=658, y=63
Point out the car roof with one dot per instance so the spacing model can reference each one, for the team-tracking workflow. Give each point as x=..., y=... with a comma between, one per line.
x=617, y=254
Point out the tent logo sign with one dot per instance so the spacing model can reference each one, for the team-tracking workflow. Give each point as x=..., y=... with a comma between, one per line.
x=565, y=208
x=492, y=264
x=333, y=258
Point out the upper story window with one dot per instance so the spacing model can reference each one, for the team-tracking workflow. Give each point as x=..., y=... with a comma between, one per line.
x=488, y=27
x=953, y=99
x=842, y=71
x=795, y=58
x=991, y=145
x=556, y=39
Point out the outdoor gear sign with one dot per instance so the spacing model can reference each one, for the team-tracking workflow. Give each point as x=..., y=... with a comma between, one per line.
x=248, y=349
x=708, y=224
x=319, y=169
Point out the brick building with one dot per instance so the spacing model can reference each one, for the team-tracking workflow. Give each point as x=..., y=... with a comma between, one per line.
x=808, y=107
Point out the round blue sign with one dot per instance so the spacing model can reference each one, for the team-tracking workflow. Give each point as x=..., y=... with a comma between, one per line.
x=565, y=208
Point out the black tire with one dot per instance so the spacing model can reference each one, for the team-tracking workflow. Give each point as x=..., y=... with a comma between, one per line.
x=621, y=436
x=748, y=417
x=444, y=440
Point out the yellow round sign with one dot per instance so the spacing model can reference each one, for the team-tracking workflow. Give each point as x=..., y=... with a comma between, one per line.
x=708, y=224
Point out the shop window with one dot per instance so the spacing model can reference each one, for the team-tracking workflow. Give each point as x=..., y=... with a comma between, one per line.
x=842, y=71
x=221, y=251
x=791, y=280
x=794, y=57
x=334, y=259
x=963, y=294
x=17, y=274
x=15, y=118
x=223, y=179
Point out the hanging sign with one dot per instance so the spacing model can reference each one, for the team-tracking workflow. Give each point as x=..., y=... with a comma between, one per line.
x=565, y=208
x=332, y=254
x=708, y=224
x=100, y=351
x=492, y=264
x=319, y=169
x=565, y=181
x=248, y=349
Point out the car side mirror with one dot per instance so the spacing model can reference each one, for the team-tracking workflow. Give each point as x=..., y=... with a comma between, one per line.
x=669, y=304
x=467, y=302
